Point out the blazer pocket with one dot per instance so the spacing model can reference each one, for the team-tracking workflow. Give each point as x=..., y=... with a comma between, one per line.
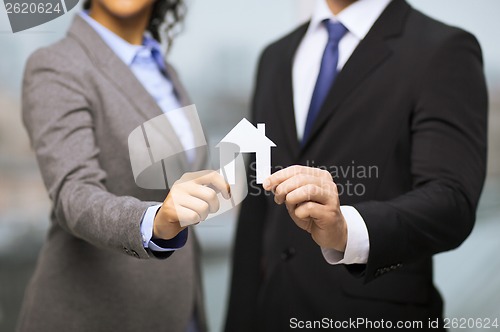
x=392, y=287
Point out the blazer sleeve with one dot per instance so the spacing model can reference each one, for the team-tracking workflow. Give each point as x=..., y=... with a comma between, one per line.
x=247, y=264
x=448, y=163
x=55, y=111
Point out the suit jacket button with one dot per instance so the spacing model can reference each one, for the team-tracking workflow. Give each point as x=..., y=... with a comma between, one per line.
x=288, y=254
x=134, y=253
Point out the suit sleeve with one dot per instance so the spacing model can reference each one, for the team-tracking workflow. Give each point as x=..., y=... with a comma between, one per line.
x=57, y=117
x=247, y=252
x=448, y=163
x=247, y=267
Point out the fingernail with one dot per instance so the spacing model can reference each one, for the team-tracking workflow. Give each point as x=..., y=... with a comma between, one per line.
x=266, y=184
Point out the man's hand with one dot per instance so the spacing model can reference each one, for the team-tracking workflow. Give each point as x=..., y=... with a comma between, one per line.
x=312, y=201
x=189, y=201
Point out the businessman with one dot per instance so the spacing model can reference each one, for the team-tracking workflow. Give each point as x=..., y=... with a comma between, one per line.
x=379, y=113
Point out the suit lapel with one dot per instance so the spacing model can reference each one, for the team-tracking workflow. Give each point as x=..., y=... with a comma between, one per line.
x=285, y=92
x=120, y=75
x=371, y=52
x=117, y=72
x=184, y=100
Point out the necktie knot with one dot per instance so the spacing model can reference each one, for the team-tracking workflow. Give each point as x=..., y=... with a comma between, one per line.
x=336, y=30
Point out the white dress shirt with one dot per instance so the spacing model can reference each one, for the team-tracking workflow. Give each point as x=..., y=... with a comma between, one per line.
x=358, y=18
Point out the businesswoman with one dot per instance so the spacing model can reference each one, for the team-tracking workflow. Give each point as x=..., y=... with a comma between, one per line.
x=116, y=257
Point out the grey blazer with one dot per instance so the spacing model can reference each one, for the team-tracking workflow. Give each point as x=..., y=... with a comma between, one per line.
x=80, y=103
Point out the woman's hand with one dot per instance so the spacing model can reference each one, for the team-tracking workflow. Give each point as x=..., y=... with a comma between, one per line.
x=189, y=202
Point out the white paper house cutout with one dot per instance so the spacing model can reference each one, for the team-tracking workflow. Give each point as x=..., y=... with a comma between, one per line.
x=245, y=138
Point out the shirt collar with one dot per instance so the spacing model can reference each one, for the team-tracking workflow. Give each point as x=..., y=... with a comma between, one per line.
x=123, y=49
x=358, y=18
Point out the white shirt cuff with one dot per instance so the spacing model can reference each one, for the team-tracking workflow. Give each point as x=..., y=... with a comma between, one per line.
x=147, y=229
x=358, y=242
x=147, y=224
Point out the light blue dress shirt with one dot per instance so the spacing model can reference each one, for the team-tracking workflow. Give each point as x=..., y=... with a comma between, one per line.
x=149, y=70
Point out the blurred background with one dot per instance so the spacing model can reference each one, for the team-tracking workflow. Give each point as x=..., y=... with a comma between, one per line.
x=216, y=55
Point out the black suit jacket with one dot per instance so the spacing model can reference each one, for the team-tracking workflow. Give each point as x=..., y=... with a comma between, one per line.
x=411, y=106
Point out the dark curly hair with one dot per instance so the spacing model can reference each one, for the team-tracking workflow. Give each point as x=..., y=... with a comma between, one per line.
x=165, y=18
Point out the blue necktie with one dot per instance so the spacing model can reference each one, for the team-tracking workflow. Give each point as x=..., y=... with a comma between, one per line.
x=327, y=73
